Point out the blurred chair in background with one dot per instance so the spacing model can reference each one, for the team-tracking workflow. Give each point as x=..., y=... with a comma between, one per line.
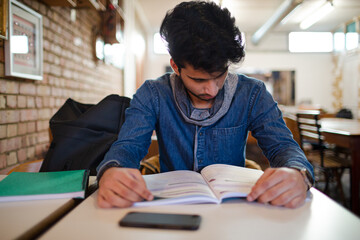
x=325, y=159
x=31, y=166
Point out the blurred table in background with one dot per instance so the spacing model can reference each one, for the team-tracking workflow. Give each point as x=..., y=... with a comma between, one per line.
x=346, y=133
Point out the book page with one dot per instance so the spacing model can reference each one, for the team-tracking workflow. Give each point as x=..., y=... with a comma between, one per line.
x=230, y=181
x=177, y=187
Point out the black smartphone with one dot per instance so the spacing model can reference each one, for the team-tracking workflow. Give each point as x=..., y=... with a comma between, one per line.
x=161, y=220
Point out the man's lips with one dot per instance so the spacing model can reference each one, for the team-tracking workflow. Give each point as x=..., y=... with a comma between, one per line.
x=206, y=97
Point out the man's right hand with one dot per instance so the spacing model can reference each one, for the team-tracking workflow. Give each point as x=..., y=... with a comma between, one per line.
x=121, y=187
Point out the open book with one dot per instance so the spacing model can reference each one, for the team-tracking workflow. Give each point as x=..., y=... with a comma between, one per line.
x=21, y=186
x=214, y=183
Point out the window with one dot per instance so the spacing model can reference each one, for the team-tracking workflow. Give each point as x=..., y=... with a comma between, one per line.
x=352, y=37
x=352, y=40
x=339, y=40
x=310, y=42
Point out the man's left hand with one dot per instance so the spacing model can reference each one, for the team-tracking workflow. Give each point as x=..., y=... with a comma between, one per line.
x=280, y=187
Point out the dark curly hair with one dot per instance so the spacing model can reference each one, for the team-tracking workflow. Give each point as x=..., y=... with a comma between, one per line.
x=203, y=35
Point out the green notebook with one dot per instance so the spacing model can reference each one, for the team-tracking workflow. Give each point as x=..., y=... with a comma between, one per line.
x=20, y=186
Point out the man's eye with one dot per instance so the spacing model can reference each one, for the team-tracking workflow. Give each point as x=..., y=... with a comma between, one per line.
x=198, y=80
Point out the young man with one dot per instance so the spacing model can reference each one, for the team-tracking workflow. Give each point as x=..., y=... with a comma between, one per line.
x=202, y=115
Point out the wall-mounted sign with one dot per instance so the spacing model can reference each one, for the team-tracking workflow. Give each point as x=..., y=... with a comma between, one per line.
x=23, y=49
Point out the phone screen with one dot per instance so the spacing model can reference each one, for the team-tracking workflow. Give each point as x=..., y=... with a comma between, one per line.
x=161, y=220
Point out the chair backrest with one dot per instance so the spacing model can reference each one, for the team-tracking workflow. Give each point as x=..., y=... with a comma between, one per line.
x=309, y=125
x=32, y=166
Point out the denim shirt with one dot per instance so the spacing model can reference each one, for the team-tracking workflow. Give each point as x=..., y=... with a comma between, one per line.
x=252, y=109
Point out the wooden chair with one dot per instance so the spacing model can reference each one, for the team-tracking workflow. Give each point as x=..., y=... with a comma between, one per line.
x=322, y=156
x=31, y=166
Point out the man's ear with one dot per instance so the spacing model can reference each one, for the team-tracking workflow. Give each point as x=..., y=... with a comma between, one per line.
x=174, y=67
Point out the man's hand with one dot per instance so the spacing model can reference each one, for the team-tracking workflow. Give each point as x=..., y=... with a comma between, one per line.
x=121, y=187
x=280, y=187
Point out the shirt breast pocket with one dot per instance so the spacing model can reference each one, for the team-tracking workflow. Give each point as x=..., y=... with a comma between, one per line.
x=227, y=145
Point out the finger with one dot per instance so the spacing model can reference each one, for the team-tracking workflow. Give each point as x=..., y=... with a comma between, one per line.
x=115, y=200
x=111, y=196
x=124, y=192
x=253, y=194
x=274, y=192
x=134, y=181
x=266, y=181
x=287, y=198
x=102, y=202
x=120, y=189
x=296, y=202
x=137, y=175
x=267, y=173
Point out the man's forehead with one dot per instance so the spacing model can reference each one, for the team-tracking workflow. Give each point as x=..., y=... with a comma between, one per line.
x=200, y=71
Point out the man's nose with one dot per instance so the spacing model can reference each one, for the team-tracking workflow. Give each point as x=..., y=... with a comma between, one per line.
x=211, y=87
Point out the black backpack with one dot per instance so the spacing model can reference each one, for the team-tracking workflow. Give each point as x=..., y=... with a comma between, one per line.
x=83, y=133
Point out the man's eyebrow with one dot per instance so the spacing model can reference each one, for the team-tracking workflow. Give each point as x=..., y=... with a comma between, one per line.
x=197, y=79
x=204, y=79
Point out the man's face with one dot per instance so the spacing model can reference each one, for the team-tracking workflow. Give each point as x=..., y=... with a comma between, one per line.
x=201, y=86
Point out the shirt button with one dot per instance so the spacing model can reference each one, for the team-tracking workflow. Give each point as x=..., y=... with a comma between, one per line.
x=201, y=133
x=200, y=161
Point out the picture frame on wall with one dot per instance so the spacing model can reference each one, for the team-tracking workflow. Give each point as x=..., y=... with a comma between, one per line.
x=4, y=8
x=23, y=49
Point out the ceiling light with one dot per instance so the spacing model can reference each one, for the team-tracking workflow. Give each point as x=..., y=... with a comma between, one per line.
x=318, y=14
x=290, y=15
x=284, y=9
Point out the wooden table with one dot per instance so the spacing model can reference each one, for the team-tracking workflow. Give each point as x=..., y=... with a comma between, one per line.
x=27, y=219
x=346, y=133
x=319, y=218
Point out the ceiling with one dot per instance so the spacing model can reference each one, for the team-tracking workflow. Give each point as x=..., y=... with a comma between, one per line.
x=252, y=14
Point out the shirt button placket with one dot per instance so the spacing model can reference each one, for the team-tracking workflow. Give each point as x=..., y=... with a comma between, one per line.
x=201, y=147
